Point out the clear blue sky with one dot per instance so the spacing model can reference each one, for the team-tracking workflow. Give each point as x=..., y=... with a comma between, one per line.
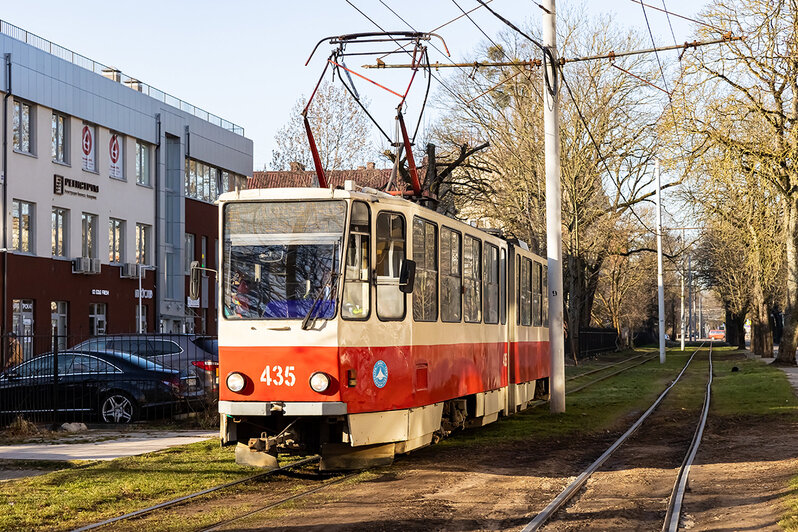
x=244, y=59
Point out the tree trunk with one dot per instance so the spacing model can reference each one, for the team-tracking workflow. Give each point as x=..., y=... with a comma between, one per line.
x=789, y=337
x=761, y=338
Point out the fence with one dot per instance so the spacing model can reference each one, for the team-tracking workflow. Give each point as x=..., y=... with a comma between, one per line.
x=593, y=341
x=107, y=379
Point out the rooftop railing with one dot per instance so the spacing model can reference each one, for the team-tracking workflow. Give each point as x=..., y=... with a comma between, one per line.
x=82, y=61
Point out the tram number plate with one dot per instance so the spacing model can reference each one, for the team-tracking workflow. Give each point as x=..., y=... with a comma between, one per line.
x=278, y=376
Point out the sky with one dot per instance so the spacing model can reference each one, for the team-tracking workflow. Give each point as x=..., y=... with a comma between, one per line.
x=244, y=60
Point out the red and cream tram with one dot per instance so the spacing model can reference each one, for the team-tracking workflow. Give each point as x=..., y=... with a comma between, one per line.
x=356, y=324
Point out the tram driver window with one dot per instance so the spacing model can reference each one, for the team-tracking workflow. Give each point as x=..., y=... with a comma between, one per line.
x=451, y=277
x=357, y=290
x=545, y=282
x=388, y=263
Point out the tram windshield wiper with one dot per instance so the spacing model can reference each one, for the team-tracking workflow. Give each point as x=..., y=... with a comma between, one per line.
x=310, y=317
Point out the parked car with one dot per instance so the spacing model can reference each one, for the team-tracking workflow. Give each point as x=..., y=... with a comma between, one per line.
x=196, y=357
x=111, y=386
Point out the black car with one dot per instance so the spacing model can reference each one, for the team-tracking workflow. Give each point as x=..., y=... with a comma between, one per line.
x=113, y=387
x=196, y=357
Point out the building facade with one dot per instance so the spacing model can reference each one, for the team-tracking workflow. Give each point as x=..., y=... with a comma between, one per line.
x=105, y=180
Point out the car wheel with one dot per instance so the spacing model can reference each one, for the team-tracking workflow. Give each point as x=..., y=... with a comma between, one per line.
x=118, y=407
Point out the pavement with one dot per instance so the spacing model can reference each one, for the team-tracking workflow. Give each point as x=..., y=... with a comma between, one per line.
x=792, y=372
x=112, y=445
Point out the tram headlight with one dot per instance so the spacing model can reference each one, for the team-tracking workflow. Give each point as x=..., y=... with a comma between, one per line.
x=319, y=382
x=236, y=382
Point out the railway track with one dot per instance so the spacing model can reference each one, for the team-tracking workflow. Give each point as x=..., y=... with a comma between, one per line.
x=616, y=369
x=186, y=498
x=673, y=513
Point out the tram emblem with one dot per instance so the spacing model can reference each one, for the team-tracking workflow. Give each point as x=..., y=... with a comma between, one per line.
x=380, y=374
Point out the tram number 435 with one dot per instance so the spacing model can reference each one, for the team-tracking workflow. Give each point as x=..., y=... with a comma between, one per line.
x=278, y=375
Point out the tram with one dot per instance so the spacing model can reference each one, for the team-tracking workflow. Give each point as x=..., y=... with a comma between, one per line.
x=359, y=325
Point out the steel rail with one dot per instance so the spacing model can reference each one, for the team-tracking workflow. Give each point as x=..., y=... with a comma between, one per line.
x=580, y=481
x=673, y=515
x=173, y=502
x=269, y=506
x=591, y=383
x=603, y=368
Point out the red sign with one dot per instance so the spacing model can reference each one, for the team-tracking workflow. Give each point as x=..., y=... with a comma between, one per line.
x=114, y=149
x=86, y=140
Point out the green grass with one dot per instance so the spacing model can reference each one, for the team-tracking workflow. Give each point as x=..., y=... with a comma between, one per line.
x=89, y=492
x=69, y=497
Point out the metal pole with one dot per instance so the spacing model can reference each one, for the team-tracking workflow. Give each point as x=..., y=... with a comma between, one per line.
x=551, y=122
x=660, y=282
x=140, y=267
x=690, y=297
x=682, y=316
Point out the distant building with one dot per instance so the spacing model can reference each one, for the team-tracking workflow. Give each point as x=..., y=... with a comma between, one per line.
x=104, y=175
x=298, y=176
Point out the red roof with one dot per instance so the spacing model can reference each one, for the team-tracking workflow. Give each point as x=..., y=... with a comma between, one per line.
x=375, y=178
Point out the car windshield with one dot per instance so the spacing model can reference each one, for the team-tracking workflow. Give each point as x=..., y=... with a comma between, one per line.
x=280, y=258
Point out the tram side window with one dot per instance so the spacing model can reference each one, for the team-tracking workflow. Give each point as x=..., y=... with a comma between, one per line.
x=526, y=291
x=545, y=280
x=357, y=290
x=536, y=294
x=503, y=286
x=451, y=279
x=491, y=277
x=389, y=258
x=425, y=253
x=472, y=280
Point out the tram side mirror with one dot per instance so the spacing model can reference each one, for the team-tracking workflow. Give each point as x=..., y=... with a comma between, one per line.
x=194, y=282
x=407, y=276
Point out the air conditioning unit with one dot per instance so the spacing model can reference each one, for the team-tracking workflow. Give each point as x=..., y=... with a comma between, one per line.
x=129, y=270
x=95, y=266
x=81, y=265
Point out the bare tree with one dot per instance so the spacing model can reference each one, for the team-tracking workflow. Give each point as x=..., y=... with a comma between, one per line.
x=614, y=108
x=743, y=97
x=341, y=129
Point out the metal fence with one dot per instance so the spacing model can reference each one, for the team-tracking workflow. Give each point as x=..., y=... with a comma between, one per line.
x=107, y=379
x=593, y=341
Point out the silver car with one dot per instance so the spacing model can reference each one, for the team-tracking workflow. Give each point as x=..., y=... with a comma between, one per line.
x=196, y=357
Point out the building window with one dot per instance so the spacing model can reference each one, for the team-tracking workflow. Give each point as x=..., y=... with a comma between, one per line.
x=142, y=243
x=116, y=240
x=88, y=246
x=142, y=164
x=23, y=324
x=189, y=243
x=425, y=253
x=97, y=319
x=22, y=226
x=88, y=147
x=472, y=280
x=60, y=231
x=59, y=150
x=58, y=313
x=389, y=258
x=451, y=276
x=202, y=181
x=116, y=156
x=23, y=127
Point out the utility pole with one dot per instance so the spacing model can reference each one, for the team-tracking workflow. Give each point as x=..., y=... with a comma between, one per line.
x=551, y=121
x=681, y=320
x=690, y=297
x=660, y=282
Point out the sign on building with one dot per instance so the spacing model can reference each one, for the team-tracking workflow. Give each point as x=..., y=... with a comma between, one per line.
x=87, y=145
x=115, y=156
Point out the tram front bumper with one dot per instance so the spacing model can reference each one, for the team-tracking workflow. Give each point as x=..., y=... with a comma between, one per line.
x=265, y=408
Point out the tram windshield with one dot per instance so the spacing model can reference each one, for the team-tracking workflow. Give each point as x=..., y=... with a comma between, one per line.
x=281, y=259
